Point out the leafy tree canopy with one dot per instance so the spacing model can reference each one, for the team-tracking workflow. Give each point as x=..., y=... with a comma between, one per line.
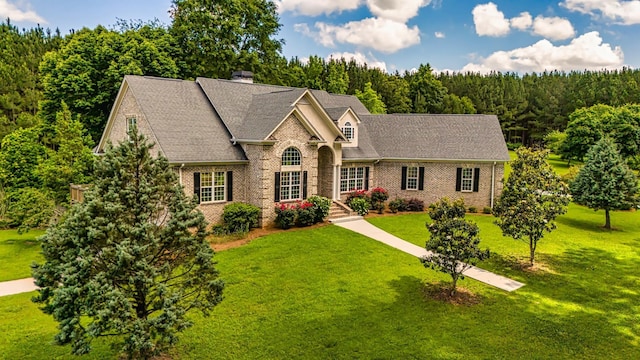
x=371, y=100
x=605, y=181
x=216, y=37
x=454, y=241
x=532, y=197
x=131, y=260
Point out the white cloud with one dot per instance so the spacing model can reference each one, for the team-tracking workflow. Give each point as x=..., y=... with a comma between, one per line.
x=24, y=13
x=626, y=12
x=553, y=28
x=384, y=35
x=439, y=35
x=522, y=22
x=489, y=20
x=586, y=52
x=360, y=58
x=398, y=10
x=314, y=8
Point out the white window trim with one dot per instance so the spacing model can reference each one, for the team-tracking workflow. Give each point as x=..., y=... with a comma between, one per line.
x=416, y=177
x=349, y=178
x=213, y=187
x=287, y=175
x=350, y=134
x=130, y=120
x=466, y=180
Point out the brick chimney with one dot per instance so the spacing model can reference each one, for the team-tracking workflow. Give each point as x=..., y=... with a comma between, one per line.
x=242, y=76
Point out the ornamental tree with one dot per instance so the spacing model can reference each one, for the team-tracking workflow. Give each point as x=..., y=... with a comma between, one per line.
x=605, y=181
x=454, y=241
x=531, y=199
x=131, y=260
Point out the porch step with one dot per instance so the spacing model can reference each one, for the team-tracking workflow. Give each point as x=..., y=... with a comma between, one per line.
x=345, y=219
x=339, y=210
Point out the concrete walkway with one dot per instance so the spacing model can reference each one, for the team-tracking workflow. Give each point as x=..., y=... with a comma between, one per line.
x=363, y=227
x=17, y=286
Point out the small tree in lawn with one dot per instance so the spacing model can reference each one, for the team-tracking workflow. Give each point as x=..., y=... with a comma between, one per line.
x=131, y=260
x=605, y=181
x=454, y=241
x=532, y=198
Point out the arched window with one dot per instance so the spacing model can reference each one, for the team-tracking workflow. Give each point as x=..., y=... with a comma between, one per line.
x=291, y=156
x=347, y=130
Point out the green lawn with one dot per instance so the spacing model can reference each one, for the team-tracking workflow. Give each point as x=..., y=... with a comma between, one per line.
x=329, y=293
x=560, y=166
x=17, y=252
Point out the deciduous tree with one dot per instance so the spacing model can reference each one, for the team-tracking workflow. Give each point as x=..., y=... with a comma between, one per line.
x=605, y=181
x=371, y=100
x=131, y=260
x=454, y=241
x=532, y=198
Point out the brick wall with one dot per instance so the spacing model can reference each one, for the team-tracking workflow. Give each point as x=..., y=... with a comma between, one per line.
x=440, y=181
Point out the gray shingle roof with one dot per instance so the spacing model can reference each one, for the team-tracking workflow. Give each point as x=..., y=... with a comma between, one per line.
x=365, y=149
x=437, y=137
x=266, y=112
x=336, y=113
x=183, y=120
x=337, y=101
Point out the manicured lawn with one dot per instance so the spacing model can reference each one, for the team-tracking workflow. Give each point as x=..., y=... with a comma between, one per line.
x=17, y=252
x=559, y=165
x=329, y=293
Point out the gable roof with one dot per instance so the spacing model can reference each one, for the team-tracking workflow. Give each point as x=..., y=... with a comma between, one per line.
x=182, y=119
x=436, y=137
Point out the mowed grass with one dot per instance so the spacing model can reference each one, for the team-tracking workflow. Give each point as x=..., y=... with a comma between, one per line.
x=329, y=293
x=17, y=252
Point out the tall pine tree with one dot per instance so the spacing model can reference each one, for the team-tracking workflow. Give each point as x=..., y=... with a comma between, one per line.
x=129, y=261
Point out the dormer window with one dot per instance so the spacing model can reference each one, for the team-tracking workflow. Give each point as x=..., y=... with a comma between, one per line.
x=347, y=130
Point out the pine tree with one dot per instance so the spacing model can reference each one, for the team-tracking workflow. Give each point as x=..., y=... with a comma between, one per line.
x=131, y=260
x=605, y=181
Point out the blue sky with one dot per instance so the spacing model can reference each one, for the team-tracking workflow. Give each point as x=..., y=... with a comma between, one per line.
x=520, y=36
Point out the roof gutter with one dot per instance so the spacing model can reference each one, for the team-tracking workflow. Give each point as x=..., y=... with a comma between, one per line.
x=206, y=163
x=235, y=141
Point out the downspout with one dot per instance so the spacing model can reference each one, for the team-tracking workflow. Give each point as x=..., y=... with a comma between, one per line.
x=180, y=171
x=493, y=182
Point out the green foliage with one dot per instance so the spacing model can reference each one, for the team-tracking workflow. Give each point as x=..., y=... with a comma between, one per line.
x=453, y=104
x=532, y=197
x=20, y=155
x=29, y=208
x=71, y=162
x=217, y=37
x=370, y=99
x=378, y=197
x=360, y=205
x=487, y=210
x=454, y=241
x=554, y=141
x=397, y=204
x=605, y=181
x=240, y=217
x=416, y=205
x=285, y=216
x=87, y=71
x=588, y=125
x=473, y=209
x=426, y=91
x=131, y=260
x=305, y=214
x=321, y=207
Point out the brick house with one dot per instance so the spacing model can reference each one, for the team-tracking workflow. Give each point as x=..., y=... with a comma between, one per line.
x=233, y=140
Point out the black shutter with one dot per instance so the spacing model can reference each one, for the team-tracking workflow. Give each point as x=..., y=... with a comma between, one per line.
x=403, y=179
x=421, y=178
x=458, y=179
x=366, y=178
x=229, y=185
x=196, y=185
x=277, y=187
x=476, y=179
x=304, y=184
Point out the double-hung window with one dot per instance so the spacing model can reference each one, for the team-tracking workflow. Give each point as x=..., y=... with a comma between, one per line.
x=466, y=184
x=212, y=186
x=352, y=178
x=290, y=183
x=412, y=178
